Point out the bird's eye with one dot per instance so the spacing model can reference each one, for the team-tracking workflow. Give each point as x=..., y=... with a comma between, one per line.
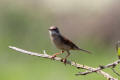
x=54, y=29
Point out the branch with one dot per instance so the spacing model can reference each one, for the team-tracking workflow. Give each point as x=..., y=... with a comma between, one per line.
x=45, y=55
x=115, y=71
x=114, y=64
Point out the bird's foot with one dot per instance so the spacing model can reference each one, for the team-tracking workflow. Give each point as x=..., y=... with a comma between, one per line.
x=53, y=57
x=64, y=60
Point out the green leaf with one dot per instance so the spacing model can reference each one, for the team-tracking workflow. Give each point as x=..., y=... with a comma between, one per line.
x=118, y=51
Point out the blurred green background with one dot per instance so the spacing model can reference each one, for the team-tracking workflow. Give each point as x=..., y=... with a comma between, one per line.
x=91, y=24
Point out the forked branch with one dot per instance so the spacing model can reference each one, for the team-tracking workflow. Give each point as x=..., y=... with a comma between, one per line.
x=89, y=69
x=112, y=65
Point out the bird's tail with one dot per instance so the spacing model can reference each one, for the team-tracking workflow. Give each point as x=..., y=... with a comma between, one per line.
x=84, y=50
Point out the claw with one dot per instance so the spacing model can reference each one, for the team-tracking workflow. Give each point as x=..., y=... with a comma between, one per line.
x=53, y=57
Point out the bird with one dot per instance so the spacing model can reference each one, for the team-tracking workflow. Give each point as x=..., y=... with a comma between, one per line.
x=62, y=43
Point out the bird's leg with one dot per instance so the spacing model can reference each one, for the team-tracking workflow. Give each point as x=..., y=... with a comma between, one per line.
x=65, y=59
x=54, y=55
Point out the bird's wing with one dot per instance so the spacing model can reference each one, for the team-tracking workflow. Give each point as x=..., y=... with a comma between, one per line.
x=69, y=43
x=72, y=45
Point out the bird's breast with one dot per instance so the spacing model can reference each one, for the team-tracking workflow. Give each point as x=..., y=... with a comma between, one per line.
x=59, y=43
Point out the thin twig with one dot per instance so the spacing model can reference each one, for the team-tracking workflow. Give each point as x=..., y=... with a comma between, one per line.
x=115, y=72
x=45, y=55
x=101, y=67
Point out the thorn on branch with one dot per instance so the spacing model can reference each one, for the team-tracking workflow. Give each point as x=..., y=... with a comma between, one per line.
x=115, y=72
x=101, y=66
x=114, y=65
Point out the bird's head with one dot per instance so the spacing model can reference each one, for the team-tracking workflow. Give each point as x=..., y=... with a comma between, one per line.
x=54, y=30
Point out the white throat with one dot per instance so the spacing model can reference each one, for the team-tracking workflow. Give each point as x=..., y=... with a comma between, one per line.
x=54, y=33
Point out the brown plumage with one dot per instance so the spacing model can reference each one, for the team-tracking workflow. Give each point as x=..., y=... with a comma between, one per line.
x=62, y=43
x=71, y=44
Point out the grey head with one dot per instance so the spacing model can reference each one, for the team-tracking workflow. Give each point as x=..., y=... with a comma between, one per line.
x=54, y=30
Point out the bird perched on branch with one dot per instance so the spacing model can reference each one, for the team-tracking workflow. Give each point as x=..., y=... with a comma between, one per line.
x=62, y=43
